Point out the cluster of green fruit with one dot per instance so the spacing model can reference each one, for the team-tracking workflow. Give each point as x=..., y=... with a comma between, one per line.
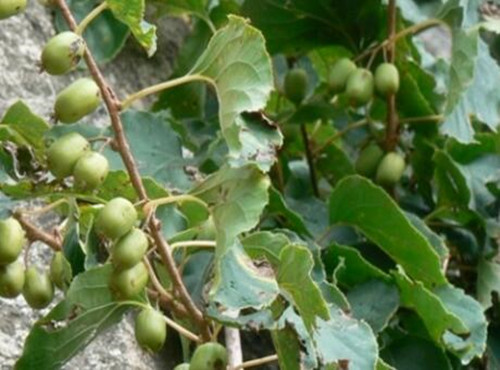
x=358, y=84
x=116, y=222
x=37, y=288
x=70, y=155
x=208, y=356
x=387, y=169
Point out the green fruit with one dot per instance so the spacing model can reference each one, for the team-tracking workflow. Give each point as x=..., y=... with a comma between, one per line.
x=339, y=73
x=184, y=366
x=390, y=169
x=209, y=356
x=77, y=100
x=65, y=152
x=295, y=86
x=150, y=330
x=60, y=271
x=387, y=79
x=11, y=240
x=368, y=160
x=129, y=249
x=38, y=290
x=359, y=87
x=62, y=53
x=11, y=279
x=116, y=218
x=126, y=284
x=8, y=8
x=90, y=171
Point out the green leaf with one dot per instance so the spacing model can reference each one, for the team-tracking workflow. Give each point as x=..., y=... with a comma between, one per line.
x=87, y=310
x=375, y=302
x=413, y=353
x=488, y=282
x=436, y=316
x=237, y=197
x=294, y=278
x=237, y=64
x=471, y=313
x=349, y=268
x=155, y=146
x=277, y=207
x=131, y=12
x=357, y=202
x=265, y=244
x=23, y=127
x=287, y=345
x=105, y=36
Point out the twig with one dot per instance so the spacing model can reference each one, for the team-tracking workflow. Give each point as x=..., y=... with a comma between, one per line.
x=113, y=105
x=34, y=233
x=310, y=159
x=257, y=362
x=233, y=342
x=391, y=134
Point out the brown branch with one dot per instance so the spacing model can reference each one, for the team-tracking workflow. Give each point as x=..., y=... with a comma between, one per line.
x=33, y=233
x=391, y=134
x=113, y=105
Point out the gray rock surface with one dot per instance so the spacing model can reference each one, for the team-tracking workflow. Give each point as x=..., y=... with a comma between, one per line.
x=21, y=41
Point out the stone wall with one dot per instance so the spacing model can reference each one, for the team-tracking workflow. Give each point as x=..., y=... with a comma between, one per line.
x=21, y=41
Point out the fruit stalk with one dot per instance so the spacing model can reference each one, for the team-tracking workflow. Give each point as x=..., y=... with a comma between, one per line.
x=113, y=105
x=391, y=135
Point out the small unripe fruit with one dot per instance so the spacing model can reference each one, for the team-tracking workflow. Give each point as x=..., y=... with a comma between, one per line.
x=387, y=79
x=90, y=171
x=63, y=154
x=9, y=8
x=184, y=366
x=295, y=86
x=38, y=290
x=11, y=240
x=368, y=160
x=11, y=279
x=339, y=73
x=129, y=249
x=77, y=100
x=150, y=330
x=60, y=271
x=359, y=87
x=116, y=218
x=62, y=53
x=209, y=356
x=126, y=284
x=390, y=169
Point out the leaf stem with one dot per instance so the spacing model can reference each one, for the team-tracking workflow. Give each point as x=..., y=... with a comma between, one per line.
x=113, y=105
x=414, y=29
x=80, y=29
x=339, y=134
x=152, y=204
x=160, y=87
x=194, y=243
x=257, y=362
x=45, y=208
x=310, y=159
x=433, y=118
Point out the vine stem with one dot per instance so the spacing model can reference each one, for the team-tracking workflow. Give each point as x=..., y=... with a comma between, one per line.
x=113, y=105
x=80, y=29
x=162, y=86
x=257, y=362
x=391, y=133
